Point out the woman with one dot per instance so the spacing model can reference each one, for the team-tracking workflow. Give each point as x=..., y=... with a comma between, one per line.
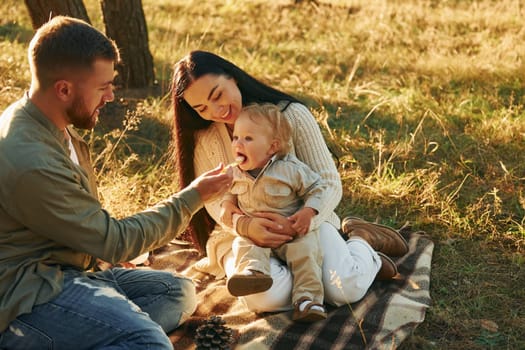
x=208, y=95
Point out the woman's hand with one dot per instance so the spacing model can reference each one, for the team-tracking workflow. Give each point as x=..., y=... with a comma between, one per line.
x=268, y=230
x=281, y=225
x=264, y=233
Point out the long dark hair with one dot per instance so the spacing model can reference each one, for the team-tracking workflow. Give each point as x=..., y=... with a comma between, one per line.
x=187, y=121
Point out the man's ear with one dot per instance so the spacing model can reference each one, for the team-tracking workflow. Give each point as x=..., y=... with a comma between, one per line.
x=63, y=90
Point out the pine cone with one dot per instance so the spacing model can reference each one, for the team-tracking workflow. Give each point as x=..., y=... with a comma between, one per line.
x=212, y=334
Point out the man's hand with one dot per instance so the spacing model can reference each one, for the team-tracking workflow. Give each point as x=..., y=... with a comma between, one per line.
x=212, y=183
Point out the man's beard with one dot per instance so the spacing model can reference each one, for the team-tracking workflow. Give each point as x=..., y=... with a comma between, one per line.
x=80, y=117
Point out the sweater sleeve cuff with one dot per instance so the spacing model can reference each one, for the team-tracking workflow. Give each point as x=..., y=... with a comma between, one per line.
x=313, y=203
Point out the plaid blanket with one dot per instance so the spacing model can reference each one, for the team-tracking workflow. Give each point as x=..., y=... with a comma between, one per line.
x=388, y=313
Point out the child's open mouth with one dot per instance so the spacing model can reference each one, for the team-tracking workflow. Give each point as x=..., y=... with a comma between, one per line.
x=241, y=158
x=238, y=160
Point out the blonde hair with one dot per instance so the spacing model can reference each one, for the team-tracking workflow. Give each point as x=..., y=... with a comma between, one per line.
x=271, y=115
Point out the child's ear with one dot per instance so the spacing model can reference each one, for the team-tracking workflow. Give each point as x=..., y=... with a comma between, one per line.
x=275, y=146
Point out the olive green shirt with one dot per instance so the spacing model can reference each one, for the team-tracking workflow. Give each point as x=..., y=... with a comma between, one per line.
x=50, y=216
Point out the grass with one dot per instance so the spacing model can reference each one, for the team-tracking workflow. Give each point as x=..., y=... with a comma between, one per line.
x=421, y=100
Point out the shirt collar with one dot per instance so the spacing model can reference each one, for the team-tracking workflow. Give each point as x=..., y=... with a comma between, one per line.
x=35, y=113
x=267, y=165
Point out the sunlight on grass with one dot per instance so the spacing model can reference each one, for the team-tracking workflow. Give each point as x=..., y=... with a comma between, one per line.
x=14, y=72
x=421, y=102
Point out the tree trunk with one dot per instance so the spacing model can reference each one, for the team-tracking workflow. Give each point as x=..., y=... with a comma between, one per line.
x=125, y=23
x=41, y=11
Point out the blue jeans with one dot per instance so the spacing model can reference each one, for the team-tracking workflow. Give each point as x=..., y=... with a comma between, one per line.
x=112, y=309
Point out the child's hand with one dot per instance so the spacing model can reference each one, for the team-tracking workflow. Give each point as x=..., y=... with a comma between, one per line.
x=227, y=210
x=301, y=220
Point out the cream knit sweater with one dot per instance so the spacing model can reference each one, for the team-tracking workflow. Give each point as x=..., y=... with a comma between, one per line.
x=213, y=146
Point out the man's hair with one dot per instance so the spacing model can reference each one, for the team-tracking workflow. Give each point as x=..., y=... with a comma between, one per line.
x=66, y=43
x=271, y=115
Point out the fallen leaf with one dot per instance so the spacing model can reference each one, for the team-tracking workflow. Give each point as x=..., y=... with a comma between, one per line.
x=489, y=325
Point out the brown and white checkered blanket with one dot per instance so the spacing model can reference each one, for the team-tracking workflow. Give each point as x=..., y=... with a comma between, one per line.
x=389, y=312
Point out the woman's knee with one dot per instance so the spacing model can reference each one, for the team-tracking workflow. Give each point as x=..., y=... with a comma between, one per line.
x=269, y=301
x=338, y=295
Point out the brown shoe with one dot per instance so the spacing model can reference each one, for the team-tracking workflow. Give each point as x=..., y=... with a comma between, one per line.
x=240, y=285
x=388, y=268
x=382, y=238
x=308, y=315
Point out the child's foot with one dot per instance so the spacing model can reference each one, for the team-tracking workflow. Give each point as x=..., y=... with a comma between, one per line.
x=307, y=310
x=251, y=282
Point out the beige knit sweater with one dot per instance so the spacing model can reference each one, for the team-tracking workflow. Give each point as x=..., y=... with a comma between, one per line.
x=213, y=146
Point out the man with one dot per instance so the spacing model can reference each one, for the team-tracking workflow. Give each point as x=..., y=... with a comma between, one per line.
x=52, y=226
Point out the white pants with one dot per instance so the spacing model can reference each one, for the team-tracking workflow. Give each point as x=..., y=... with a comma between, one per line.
x=349, y=268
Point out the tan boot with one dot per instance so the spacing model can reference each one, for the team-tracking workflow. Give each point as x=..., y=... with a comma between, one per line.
x=382, y=238
x=388, y=268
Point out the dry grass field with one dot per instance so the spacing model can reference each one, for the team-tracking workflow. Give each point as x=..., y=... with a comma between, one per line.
x=422, y=101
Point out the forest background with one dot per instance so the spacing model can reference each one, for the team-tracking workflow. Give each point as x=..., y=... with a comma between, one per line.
x=421, y=101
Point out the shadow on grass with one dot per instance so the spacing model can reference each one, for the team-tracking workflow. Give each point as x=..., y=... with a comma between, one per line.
x=15, y=32
x=149, y=140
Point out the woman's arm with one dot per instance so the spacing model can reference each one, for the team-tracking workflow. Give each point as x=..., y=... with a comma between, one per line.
x=311, y=148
